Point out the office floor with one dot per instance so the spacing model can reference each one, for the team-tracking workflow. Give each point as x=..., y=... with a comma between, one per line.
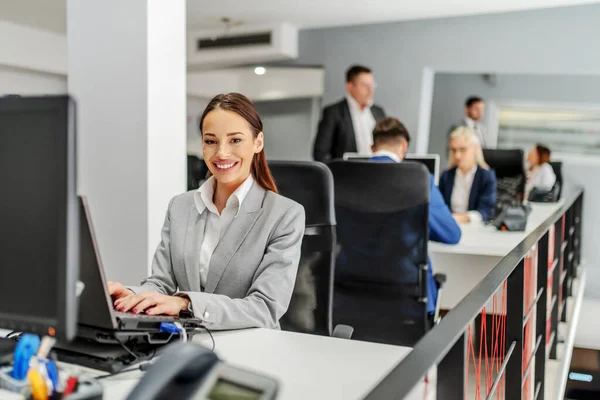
x=589, y=325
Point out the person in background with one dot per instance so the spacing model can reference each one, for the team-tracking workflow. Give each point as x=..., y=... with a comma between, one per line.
x=347, y=126
x=540, y=174
x=230, y=250
x=390, y=143
x=474, y=111
x=468, y=186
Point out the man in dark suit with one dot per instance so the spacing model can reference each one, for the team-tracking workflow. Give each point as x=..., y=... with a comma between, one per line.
x=474, y=111
x=347, y=126
x=391, y=141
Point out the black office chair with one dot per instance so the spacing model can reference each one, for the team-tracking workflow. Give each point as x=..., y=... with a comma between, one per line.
x=510, y=176
x=558, y=186
x=538, y=195
x=311, y=185
x=381, y=270
x=196, y=172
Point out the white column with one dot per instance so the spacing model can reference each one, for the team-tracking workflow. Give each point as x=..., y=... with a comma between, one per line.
x=127, y=71
x=423, y=133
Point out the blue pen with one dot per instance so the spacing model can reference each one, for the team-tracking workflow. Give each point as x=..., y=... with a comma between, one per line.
x=52, y=374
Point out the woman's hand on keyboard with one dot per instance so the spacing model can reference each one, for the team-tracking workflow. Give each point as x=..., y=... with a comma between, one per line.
x=118, y=291
x=152, y=303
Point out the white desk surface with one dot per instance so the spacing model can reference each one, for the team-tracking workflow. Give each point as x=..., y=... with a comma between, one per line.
x=480, y=249
x=478, y=239
x=307, y=366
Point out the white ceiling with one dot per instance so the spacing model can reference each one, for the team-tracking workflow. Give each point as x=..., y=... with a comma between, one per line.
x=51, y=14
x=326, y=13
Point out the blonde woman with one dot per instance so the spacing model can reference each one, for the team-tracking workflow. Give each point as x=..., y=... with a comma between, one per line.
x=469, y=185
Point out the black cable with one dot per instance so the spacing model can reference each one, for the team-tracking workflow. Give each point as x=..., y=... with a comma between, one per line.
x=119, y=373
x=212, y=338
x=131, y=353
x=143, y=366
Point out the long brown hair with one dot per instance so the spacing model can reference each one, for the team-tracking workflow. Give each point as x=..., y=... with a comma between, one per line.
x=241, y=105
x=543, y=153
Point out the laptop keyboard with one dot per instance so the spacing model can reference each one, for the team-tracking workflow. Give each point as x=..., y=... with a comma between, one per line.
x=144, y=316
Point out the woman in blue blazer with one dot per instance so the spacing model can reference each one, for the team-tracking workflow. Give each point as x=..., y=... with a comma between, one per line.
x=469, y=186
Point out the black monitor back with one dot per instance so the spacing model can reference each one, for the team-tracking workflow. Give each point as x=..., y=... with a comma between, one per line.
x=510, y=175
x=197, y=171
x=430, y=161
x=39, y=242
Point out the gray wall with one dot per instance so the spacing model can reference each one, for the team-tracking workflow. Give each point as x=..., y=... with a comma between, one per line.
x=559, y=40
x=195, y=108
x=288, y=128
x=30, y=83
x=450, y=91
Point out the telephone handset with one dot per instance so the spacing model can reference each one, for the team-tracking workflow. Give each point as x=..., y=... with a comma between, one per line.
x=189, y=371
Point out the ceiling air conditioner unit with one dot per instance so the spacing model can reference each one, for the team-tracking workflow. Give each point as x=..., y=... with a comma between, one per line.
x=242, y=45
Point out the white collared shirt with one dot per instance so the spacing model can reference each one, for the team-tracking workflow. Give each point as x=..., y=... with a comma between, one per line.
x=541, y=177
x=476, y=127
x=459, y=202
x=363, y=123
x=216, y=225
x=387, y=153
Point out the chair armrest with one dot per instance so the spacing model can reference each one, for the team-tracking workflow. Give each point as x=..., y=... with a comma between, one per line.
x=343, y=332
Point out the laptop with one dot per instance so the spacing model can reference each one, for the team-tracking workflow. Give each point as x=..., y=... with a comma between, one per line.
x=96, y=309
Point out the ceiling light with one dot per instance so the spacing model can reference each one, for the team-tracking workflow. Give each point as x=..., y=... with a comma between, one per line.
x=260, y=70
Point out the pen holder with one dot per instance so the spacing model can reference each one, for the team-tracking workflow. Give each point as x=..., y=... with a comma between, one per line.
x=7, y=382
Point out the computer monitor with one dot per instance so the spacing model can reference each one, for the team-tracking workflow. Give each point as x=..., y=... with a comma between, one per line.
x=39, y=239
x=431, y=161
x=196, y=171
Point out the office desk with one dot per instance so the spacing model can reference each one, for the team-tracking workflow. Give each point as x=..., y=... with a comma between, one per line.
x=478, y=252
x=307, y=366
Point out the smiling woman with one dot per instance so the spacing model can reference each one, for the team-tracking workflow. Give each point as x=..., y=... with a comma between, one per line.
x=230, y=250
x=234, y=142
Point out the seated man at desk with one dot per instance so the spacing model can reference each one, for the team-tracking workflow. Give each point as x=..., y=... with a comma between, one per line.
x=390, y=144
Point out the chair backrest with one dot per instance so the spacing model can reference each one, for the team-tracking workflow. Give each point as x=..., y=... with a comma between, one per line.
x=552, y=195
x=196, y=172
x=557, y=167
x=311, y=184
x=431, y=161
x=381, y=269
x=510, y=175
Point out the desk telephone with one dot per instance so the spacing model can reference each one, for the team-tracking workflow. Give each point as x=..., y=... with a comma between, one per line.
x=189, y=371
